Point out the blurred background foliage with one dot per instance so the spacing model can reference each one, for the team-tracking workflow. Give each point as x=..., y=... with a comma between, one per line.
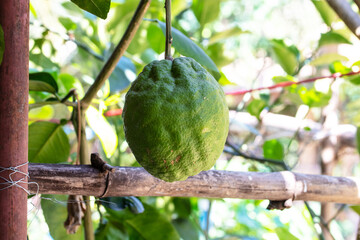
x=244, y=44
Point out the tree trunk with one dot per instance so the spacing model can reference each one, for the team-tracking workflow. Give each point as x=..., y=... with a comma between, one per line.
x=14, y=72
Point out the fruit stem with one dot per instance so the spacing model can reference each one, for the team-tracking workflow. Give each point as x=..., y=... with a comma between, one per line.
x=168, y=36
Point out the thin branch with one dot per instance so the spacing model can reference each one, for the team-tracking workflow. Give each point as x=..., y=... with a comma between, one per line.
x=289, y=83
x=341, y=208
x=207, y=226
x=68, y=37
x=357, y=2
x=313, y=216
x=87, y=49
x=254, y=158
x=117, y=54
x=79, y=128
x=347, y=14
x=168, y=37
x=85, y=159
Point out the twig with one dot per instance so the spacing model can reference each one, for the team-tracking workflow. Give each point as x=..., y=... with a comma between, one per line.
x=68, y=37
x=68, y=95
x=79, y=127
x=357, y=2
x=341, y=208
x=255, y=158
x=168, y=37
x=313, y=216
x=207, y=227
x=289, y=83
x=87, y=49
x=117, y=54
x=347, y=14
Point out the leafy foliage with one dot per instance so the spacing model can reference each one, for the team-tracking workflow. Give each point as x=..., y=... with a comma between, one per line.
x=55, y=215
x=188, y=48
x=240, y=43
x=42, y=81
x=48, y=143
x=99, y=8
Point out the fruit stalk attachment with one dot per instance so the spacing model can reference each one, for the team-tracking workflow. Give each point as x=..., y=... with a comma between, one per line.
x=168, y=36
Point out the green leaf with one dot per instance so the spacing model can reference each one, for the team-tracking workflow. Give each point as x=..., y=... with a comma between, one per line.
x=339, y=67
x=217, y=52
x=182, y=207
x=42, y=113
x=42, y=81
x=2, y=44
x=186, y=229
x=156, y=38
x=255, y=107
x=314, y=98
x=48, y=143
x=99, y=8
x=103, y=130
x=232, y=32
x=358, y=140
x=325, y=11
x=356, y=208
x=55, y=214
x=284, y=233
x=353, y=79
x=287, y=56
x=223, y=81
x=123, y=74
x=188, y=48
x=110, y=230
x=152, y=225
x=66, y=82
x=67, y=23
x=120, y=203
x=328, y=58
x=42, y=61
x=280, y=79
x=332, y=38
x=273, y=149
x=32, y=10
x=206, y=11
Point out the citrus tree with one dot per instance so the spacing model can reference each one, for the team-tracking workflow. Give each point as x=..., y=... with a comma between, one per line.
x=77, y=96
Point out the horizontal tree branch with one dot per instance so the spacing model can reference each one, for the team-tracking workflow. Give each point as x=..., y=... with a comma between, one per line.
x=130, y=181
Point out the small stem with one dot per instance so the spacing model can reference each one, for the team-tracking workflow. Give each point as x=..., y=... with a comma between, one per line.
x=258, y=159
x=79, y=128
x=168, y=36
x=117, y=54
x=207, y=227
x=89, y=230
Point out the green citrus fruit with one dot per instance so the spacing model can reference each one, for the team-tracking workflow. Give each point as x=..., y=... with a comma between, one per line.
x=175, y=119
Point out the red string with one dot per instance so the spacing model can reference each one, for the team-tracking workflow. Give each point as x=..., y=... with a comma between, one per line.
x=116, y=112
x=289, y=83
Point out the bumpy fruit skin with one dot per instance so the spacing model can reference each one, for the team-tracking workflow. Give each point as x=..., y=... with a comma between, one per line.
x=175, y=119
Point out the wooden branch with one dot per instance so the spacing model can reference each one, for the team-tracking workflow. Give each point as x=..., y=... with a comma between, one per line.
x=117, y=54
x=347, y=14
x=130, y=181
